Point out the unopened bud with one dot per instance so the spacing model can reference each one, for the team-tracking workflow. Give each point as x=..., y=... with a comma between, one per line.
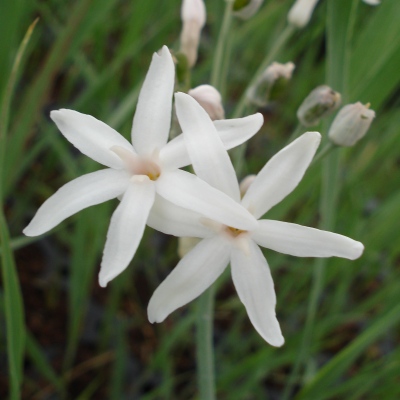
x=193, y=14
x=245, y=9
x=351, y=124
x=300, y=13
x=372, y=2
x=185, y=244
x=321, y=102
x=270, y=83
x=245, y=184
x=210, y=99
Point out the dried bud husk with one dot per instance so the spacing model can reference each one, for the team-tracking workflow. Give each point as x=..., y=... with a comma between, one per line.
x=301, y=12
x=245, y=9
x=270, y=83
x=321, y=102
x=245, y=184
x=351, y=124
x=210, y=99
x=193, y=14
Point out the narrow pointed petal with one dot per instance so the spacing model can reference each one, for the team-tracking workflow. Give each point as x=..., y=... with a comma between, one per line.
x=85, y=191
x=281, y=174
x=126, y=228
x=171, y=219
x=152, y=118
x=253, y=282
x=90, y=136
x=233, y=132
x=196, y=272
x=188, y=191
x=302, y=241
x=209, y=158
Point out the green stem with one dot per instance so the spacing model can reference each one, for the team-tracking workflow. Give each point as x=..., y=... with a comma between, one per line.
x=204, y=339
x=221, y=44
x=205, y=308
x=271, y=55
x=325, y=150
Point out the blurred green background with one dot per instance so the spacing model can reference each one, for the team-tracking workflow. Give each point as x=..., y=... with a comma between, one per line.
x=86, y=342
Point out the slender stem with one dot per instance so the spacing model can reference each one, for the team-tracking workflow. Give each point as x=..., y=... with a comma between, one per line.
x=205, y=353
x=271, y=55
x=221, y=44
x=243, y=106
x=325, y=150
x=348, y=47
x=205, y=308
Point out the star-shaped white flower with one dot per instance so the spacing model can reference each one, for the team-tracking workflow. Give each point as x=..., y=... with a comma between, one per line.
x=139, y=172
x=222, y=243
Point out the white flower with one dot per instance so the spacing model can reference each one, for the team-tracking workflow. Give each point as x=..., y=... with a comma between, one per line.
x=372, y=2
x=140, y=172
x=300, y=13
x=223, y=244
x=249, y=9
x=193, y=15
x=210, y=99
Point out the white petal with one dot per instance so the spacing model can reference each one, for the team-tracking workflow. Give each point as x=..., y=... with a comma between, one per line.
x=126, y=228
x=91, y=136
x=281, y=174
x=171, y=219
x=255, y=287
x=192, y=276
x=85, y=191
x=209, y=158
x=188, y=191
x=152, y=118
x=232, y=132
x=302, y=241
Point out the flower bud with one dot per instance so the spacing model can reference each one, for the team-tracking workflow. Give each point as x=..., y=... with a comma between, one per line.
x=372, y=2
x=245, y=9
x=245, y=184
x=321, y=102
x=269, y=83
x=351, y=124
x=210, y=99
x=300, y=13
x=193, y=14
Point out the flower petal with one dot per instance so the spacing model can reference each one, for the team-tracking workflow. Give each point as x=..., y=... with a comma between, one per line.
x=152, y=118
x=232, y=132
x=302, y=241
x=253, y=282
x=281, y=174
x=85, y=191
x=192, y=276
x=126, y=228
x=188, y=191
x=209, y=158
x=91, y=136
x=171, y=219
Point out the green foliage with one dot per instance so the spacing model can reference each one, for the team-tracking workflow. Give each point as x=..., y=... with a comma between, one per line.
x=97, y=343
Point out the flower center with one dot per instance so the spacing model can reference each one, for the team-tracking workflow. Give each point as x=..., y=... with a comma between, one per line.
x=138, y=165
x=233, y=232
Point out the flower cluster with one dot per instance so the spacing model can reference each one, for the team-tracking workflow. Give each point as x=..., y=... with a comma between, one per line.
x=145, y=176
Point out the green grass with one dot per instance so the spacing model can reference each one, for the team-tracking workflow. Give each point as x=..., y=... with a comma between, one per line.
x=87, y=342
